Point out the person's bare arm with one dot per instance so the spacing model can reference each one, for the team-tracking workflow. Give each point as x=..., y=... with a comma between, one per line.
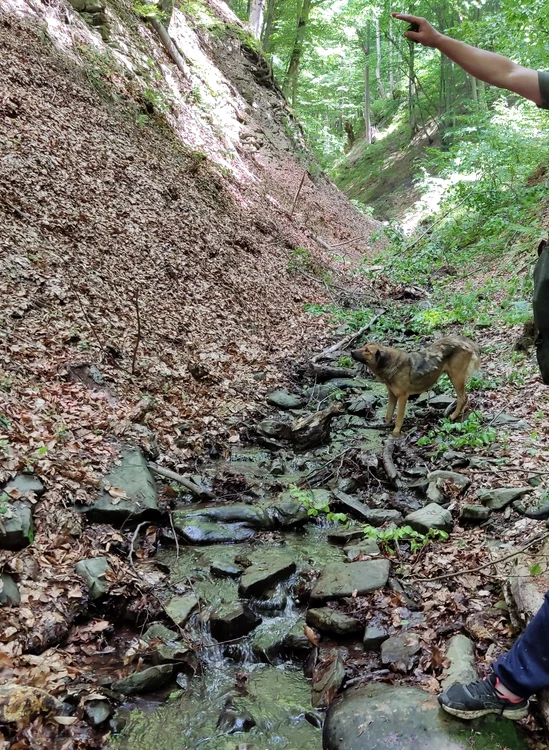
x=487, y=66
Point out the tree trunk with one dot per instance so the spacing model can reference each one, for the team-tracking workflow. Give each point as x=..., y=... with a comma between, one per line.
x=411, y=89
x=474, y=90
x=290, y=82
x=382, y=93
x=268, y=26
x=391, y=70
x=366, y=50
x=257, y=12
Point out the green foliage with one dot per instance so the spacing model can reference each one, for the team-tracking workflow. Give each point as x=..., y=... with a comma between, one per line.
x=471, y=433
x=149, y=10
x=390, y=537
x=301, y=261
x=345, y=361
x=314, y=507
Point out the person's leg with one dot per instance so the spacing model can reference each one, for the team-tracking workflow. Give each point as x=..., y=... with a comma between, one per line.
x=525, y=668
x=518, y=674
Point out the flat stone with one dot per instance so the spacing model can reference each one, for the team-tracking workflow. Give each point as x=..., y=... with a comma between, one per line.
x=167, y=643
x=268, y=641
x=251, y=515
x=9, y=592
x=26, y=484
x=98, y=711
x=327, y=678
x=330, y=621
x=93, y=571
x=407, y=718
x=289, y=511
x=442, y=401
x=379, y=516
x=461, y=654
x=16, y=529
x=133, y=478
x=432, y=516
x=437, y=480
x=231, y=621
x=180, y=608
x=260, y=576
x=374, y=635
x=21, y=704
x=339, y=580
x=295, y=639
x=363, y=405
x=509, y=421
x=346, y=536
x=356, y=549
x=199, y=531
x=476, y=513
x=500, y=498
x=285, y=400
x=145, y=681
x=399, y=650
x=225, y=570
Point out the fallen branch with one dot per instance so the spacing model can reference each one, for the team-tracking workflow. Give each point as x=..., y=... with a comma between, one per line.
x=138, y=334
x=297, y=194
x=134, y=537
x=388, y=463
x=516, y=552
x=169, y=46
x=193, y=488
x=348, y=339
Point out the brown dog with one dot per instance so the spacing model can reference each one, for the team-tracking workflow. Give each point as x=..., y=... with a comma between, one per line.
x=405, y=374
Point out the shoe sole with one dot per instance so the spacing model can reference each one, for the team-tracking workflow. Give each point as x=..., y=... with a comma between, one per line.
x=515, y=714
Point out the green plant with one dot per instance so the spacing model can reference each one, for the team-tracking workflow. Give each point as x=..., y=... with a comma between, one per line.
x=345, y=361
x=149, y=10
x=471, y=433
x=389, y=538
x=314, y=506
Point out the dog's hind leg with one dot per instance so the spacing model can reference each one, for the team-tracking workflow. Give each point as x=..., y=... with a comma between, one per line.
x=458, y=381
x=390, y=406
x=402, y=401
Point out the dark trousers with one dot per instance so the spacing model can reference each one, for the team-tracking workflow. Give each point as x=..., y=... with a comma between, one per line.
x=525, y=668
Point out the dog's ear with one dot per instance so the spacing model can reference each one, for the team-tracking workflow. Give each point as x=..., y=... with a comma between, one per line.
x=381, y=358
x=542, y=245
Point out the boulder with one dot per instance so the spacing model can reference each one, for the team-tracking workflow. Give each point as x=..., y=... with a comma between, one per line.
x=129, y=493
x=97, y=711
x=16, y=529
x=20, y=704
x=9, y=593
x=398, y=650
x=93, y=571
x=374, y=635
x=295, y=639
x=260, y=576
x=225, y=570
x=346, y=536
x=26, y=484
x=461, y=654
x=408, y=718
x=363, y=405
x=167, y=644
x=339, y=580
x=356, y=549
x=180, y=608
x=146, y=681
x=499, y=498
x=285, y=400
x=250, y=515
x=314, y=429
x=432, y=516
x=197, y=530
x=330, y=621
x=327, y=678
x=379, y=516
x=477, y=513
x=230, y=621
x=289, y=511
x=437, y=480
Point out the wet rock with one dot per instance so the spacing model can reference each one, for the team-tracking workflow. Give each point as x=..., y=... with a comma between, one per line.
x=180, y=608
x=93, y=571
x=379, y=516
x=167, y=644
x=509, y=421
x=374, y=635
x=432, y=516
x=145, y=681
x=26, y=484
x=268, y=641
x=321, y=392
x=250, y=515
x=351, y=504
x=289, y=511
x=21, y=704
x=437, y=481
x=315, y=719
x=399, y=650
x=461, y=654
x=408, y=718
x=16, y=529
x=97, y=711
x=346, y=484
x=231, y=721
x=475, y=513
x=129, y=492
x=260, y=576
x=272, y=603
x=196, y=530
x=9, y=593
x=330, y=621
x=225, y=570
x=285, y=400
x=278, y=468
x=314, y=429
x=455, y=459
x=327, y=678
x=363, y=405
x=346, y=536
x=339, y=580
x=356, y=549
x=274, y=429
x=295, y=639
x=500, y=498
x=443, y=401
x=231, y=621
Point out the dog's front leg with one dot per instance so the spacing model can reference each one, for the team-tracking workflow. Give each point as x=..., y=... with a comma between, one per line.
x=402, y=401
x=390, y=406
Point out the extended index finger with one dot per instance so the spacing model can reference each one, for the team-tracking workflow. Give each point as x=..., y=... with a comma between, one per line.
x=406, y=17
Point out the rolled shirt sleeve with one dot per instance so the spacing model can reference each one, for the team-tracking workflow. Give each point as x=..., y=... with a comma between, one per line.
x=544, y=89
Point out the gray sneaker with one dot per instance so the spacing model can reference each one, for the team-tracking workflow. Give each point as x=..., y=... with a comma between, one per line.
x=479, y=699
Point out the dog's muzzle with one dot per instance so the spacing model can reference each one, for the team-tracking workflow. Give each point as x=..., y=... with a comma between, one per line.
x=357, y=354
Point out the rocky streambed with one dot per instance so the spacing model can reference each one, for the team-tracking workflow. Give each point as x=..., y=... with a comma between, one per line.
x=279, y=623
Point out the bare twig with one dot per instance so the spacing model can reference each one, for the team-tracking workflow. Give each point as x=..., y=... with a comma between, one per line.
x=138, y=335
x=190, y=485
x=367, y=677
x=349, y=242
x=488, y=564
x=297, y=194
x=348, y=339
x=134, y=537
x=389, y=464
x=176, y=539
